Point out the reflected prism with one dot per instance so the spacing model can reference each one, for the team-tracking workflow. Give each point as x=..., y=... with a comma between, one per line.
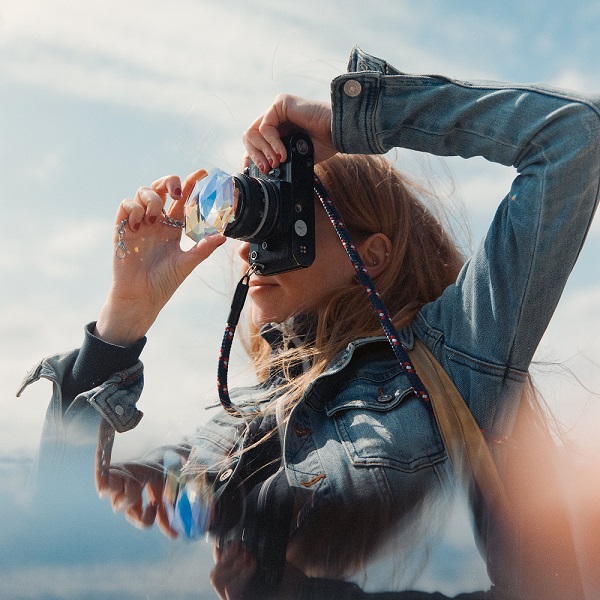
x=211, y=205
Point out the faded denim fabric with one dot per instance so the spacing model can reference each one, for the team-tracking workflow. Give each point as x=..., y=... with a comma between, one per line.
x=485, y=328
x=67, y=432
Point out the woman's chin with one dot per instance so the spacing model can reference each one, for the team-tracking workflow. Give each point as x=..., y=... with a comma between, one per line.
x=262, y=316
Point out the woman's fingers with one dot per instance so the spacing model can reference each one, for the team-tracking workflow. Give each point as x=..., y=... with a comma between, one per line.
x=135, y=515
x=176, y=210
x=155, y=509
x=263, y=138
x=146, y=206
x=125, y=486
x=127, y=492
x=191, y=180
x=149, y=202
x=170, y=185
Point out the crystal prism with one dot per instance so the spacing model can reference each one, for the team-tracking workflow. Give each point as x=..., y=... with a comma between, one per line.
x=211, y=205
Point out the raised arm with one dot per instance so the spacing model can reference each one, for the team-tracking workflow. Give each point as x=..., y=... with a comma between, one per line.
x=493, y=318
x=508, y=291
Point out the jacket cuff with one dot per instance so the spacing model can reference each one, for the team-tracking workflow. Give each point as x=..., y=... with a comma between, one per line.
x=115, y=399
x=97, y=361
x=354, y=101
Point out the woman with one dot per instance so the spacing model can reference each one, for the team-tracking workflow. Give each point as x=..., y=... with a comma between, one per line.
x=360, y=451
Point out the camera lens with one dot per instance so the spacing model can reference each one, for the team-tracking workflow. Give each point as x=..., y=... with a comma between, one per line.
x=257, y=204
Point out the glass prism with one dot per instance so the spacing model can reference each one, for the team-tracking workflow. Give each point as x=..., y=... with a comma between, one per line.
x=211, y=205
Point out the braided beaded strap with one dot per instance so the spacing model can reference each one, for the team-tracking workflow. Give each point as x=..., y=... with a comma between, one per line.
x=239, y=297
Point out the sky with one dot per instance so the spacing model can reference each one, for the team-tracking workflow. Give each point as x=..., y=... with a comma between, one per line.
x=99, y=98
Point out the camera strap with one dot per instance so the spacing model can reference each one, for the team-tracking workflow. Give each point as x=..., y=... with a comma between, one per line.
x=361, y=272
x=239, y=298
x=363, y=276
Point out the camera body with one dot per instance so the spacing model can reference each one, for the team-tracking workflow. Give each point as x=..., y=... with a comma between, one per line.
x=275, y=212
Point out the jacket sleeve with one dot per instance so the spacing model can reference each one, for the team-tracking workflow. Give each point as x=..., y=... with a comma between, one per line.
x=98, y=381
x=503, y=300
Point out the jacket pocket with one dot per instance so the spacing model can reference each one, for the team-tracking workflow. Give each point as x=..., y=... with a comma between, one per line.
x=382, y=423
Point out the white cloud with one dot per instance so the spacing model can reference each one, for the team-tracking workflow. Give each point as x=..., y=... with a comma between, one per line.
x=45, y=167
x=575, y=80
x=158, y=56
x=569, y=356
x=72, y=247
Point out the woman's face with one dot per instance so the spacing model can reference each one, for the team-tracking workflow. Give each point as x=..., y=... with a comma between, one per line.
x=275, y=298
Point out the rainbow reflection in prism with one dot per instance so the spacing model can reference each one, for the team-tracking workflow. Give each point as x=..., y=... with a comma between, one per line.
x=188, y=501
x=211, y=205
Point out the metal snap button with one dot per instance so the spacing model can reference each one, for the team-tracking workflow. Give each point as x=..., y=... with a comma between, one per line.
x=225, y=475
x=352, y=88
x=119, y=410
x=384, y=398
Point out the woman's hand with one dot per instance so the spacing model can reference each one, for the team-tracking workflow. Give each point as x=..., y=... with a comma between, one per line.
x=288, y=113
x=125, y=485
x=234, y=568
x=153, y=265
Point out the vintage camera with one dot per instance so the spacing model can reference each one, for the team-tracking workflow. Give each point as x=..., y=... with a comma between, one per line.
x=274, y=212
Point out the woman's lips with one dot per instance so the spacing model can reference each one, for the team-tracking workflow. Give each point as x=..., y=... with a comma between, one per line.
x=258, y=284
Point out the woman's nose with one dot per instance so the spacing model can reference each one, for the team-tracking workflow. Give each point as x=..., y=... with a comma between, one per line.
x=244, y=251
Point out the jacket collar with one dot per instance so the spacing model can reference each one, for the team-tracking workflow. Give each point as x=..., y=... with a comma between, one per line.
x=302, y=329
x=293, y=333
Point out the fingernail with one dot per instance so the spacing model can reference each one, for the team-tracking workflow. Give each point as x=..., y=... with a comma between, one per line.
x=271, y=160
x=177, y=192
x=152, y=220
x=136, y=226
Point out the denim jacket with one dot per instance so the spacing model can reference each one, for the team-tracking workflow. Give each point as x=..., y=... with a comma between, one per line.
x=359, y=434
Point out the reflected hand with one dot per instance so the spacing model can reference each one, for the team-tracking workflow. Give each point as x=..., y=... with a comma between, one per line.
x=126, y=483
x=154, y=265
x=234, y=568
x=288, y=113
x=125, y=486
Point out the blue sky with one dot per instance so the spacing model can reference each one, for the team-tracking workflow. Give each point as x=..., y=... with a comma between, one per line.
x=98, y=98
